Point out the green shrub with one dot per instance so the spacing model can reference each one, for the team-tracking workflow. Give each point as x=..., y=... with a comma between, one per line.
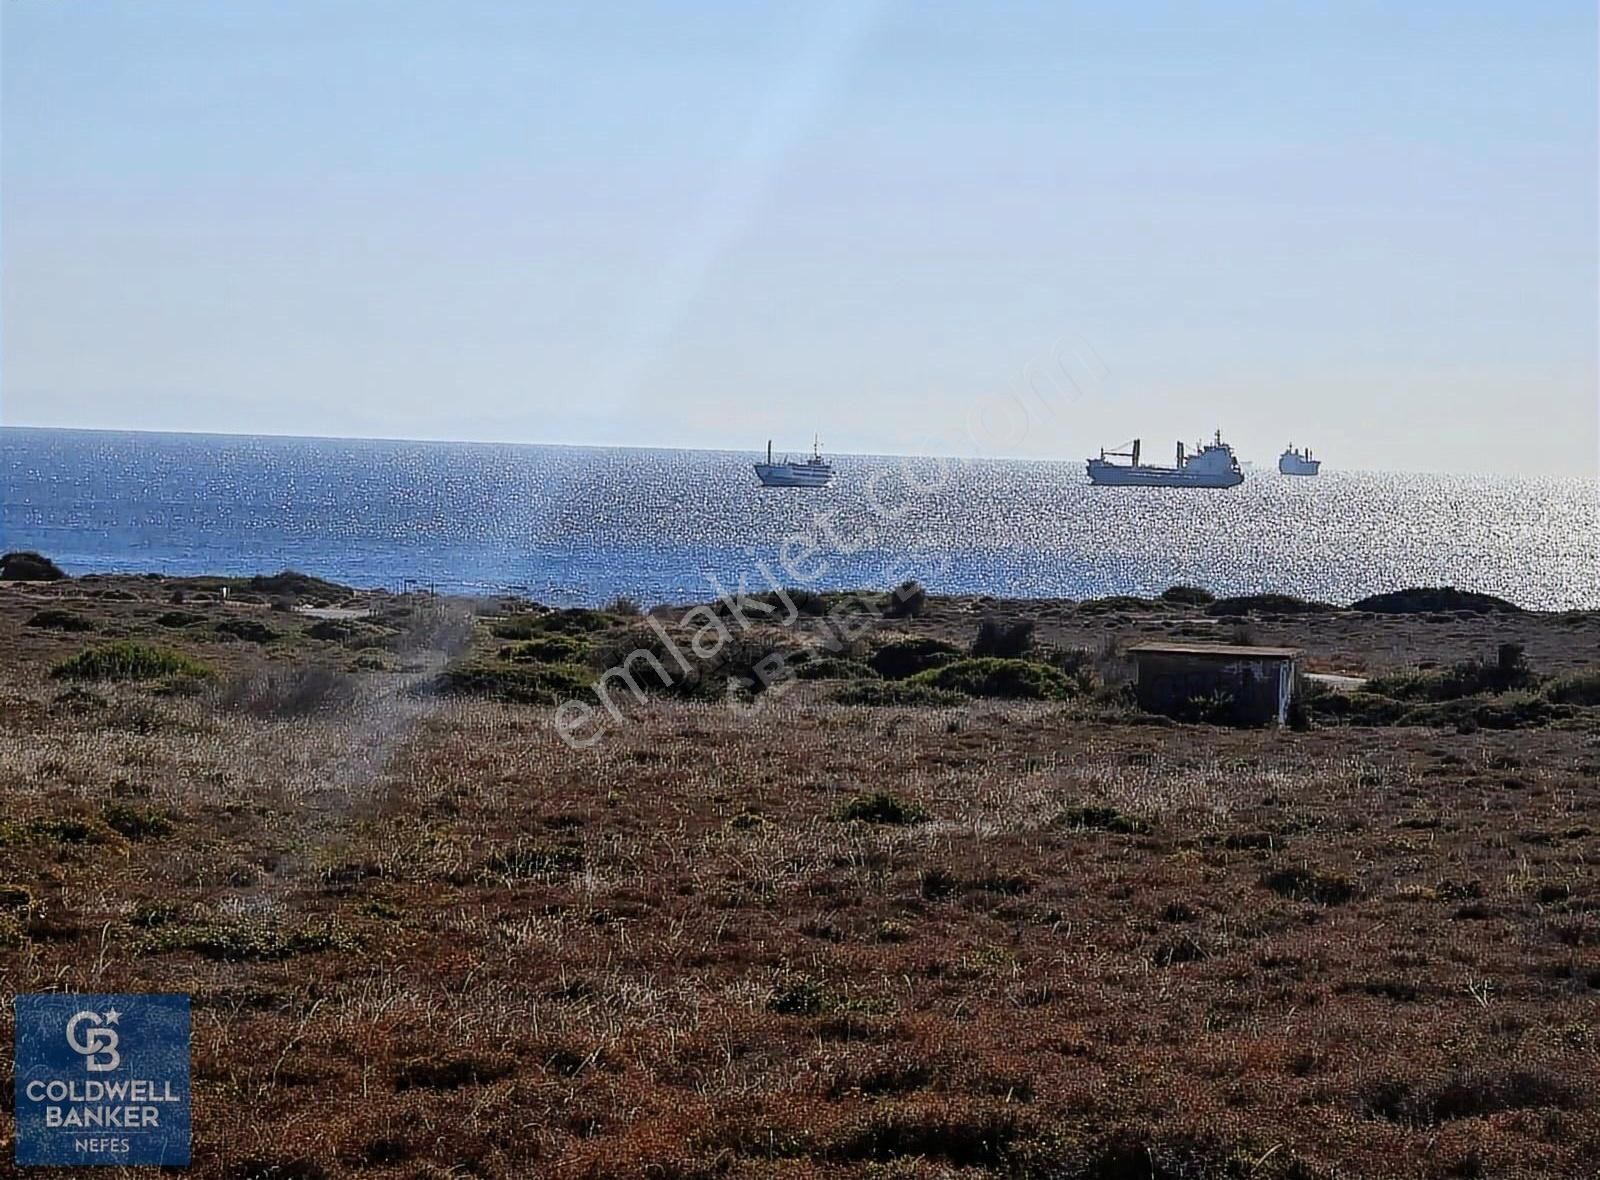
x=625, y=606
x=1303, y=884
x=1007, y=639
x=1101, y=819
x=54, y=829
x=835, y=668
x=358, y=634
x=60, y=620
x=1428, y=599
x=533, y=860
x=881, y=807
x=27, y=566
x=128, y=660
x=1188, y=596
x=994, y=677
x=1575, y=688
x=896, y=693
x=250, y=630
x=136, y=823
x=901, y=658
x=530, y=625
x=178, y=618
x=549, y=649
x=531, y=684
x=246, y=941
x=294, y=584
x=1356, y=708
x=1213, y=708
x=1511, y=710
x=296, y=691
x=906, y=601
x=1119, y=604
x=1463, y=679
x=1268, y=604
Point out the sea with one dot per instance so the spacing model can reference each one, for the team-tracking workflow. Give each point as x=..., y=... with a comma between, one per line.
x=585, y=525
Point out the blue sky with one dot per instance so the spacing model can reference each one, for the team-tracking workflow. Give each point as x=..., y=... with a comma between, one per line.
x=1368, y=227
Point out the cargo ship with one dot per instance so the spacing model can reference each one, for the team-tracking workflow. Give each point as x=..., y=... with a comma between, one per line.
x=814, y=472
x=1209, y=465
x=1293, y=462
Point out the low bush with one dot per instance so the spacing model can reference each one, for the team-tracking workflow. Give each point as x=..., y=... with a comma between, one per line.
x=1120, y=604
x=27, y=566
x=529, y=625
x=60, y=620
x=1511, y=710
x=352, y=633
x=1356, y=708
x=294, y=584
x=881, y=807
x=1007, y=639
x=531, y=684
x=136, y=823
x=896, y=692
x=623, y=605
x=178, y=618
x=533, y=860
x=249, y=941
x=1188, y=596
x=1213, y=708
x=1268, y=604
x=1427, y=599
x=994, y=677
x=901, y=658
x=128, y=660
x=298, y=691
x=835, y=668
x=1463, y=679
x=549, y=649
x=1575, y=688
x=1099, y=818
x=452, y=1073
x=250, y=630
x=1304, y=884
x=906, y=601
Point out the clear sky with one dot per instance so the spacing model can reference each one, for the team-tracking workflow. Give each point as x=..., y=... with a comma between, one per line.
x=1370, y=227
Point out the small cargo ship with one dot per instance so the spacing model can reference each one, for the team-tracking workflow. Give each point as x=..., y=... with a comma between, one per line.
x=1293, y=462
x=814, y=472
x=1209, y=465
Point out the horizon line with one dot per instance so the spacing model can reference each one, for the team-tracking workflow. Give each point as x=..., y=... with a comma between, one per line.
x=602, y=446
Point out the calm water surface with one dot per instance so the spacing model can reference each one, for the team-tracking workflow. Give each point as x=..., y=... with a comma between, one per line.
x=577, y=525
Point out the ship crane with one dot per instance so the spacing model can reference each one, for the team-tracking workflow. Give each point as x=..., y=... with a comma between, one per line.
x=1132, y=453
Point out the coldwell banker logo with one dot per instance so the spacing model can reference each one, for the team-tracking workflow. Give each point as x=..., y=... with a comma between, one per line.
x=102, y=1080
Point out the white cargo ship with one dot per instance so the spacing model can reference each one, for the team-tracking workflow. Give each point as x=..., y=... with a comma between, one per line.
x=1293, y=462
x=1209, y=465
x=814, y=472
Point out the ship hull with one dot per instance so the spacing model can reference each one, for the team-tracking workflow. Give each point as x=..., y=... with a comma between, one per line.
x=1122, y=476
x=792, y=475
x=1289, y=466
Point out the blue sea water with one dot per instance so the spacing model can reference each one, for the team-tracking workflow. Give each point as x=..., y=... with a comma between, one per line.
x=583, y=525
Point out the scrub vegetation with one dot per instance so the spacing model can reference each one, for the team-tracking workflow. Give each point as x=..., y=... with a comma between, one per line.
x=947, y=905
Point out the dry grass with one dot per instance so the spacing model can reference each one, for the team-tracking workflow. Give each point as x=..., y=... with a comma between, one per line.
x=424, y=938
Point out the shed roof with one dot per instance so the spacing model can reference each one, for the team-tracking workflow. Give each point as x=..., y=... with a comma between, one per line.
x=1215, y=651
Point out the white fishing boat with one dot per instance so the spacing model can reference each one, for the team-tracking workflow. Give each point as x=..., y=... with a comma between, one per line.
x=1209, y=465
x=1293, y=462
x=814, y=472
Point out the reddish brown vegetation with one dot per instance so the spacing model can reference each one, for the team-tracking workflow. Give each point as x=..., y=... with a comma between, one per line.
x=425, y=939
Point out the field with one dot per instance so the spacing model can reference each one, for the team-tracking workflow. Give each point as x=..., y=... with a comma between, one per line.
x=1025, y=938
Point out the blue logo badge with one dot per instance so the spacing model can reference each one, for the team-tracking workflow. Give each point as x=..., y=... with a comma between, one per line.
x=102, y=1079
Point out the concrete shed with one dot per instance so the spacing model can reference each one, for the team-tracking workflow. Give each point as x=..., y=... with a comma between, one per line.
x=1171, y=677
